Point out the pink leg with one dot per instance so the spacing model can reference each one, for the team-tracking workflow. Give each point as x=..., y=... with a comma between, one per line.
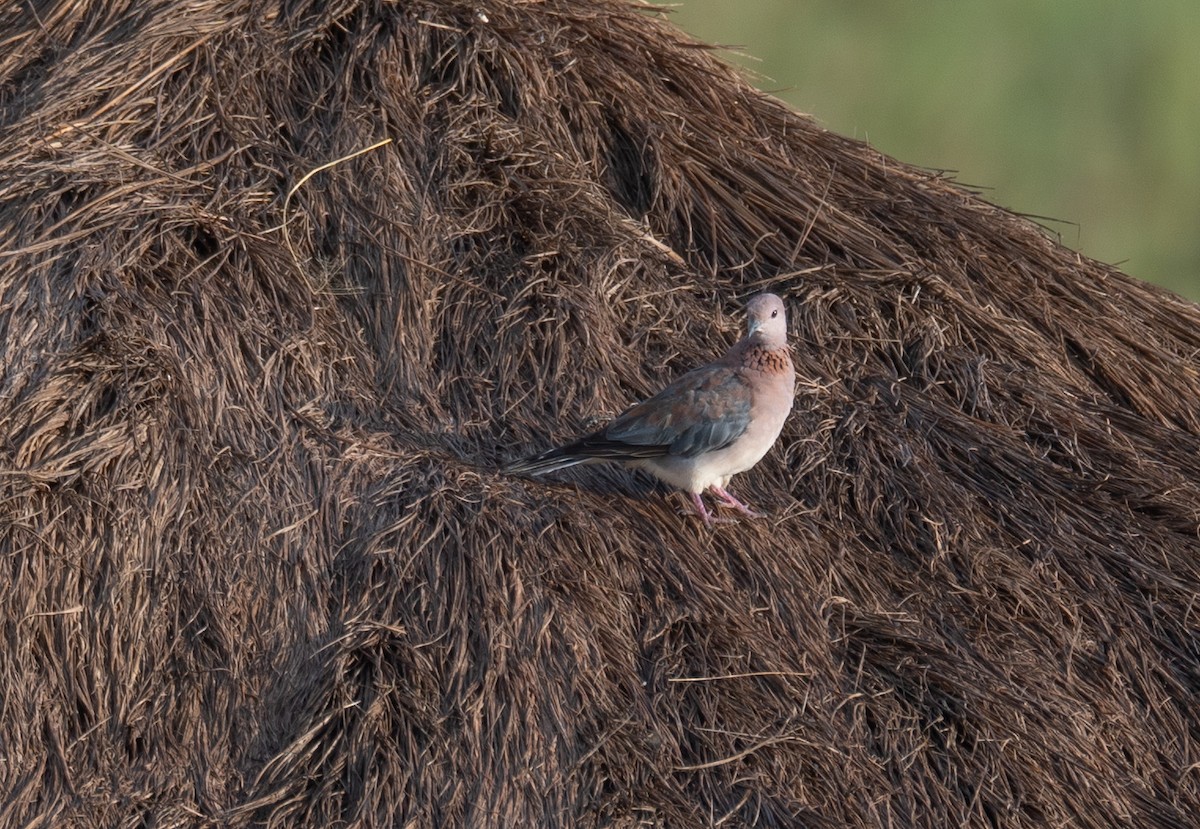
x=702, y=510
x=734, y=502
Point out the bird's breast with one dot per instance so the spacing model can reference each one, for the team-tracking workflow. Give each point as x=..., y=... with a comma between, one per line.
x=768, y=360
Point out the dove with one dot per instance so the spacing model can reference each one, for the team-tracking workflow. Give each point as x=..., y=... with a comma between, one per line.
x=707, y=426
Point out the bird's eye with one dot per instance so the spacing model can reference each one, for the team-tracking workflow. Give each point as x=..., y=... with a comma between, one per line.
x=774, y=314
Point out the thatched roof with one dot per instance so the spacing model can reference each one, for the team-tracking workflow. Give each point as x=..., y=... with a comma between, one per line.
x=261, y=566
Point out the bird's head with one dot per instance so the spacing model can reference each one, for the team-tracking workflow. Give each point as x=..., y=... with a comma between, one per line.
x=766, y=320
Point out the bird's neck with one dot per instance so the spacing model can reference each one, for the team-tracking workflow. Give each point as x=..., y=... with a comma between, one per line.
x=766, y=357
x=761, y=339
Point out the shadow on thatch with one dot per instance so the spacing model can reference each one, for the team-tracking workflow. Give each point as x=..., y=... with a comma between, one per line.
x=260, y=567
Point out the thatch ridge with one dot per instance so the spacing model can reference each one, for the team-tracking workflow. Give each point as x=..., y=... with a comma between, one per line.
x=263, y=568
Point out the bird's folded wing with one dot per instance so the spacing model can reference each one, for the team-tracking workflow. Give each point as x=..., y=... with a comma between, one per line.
x=703, y=411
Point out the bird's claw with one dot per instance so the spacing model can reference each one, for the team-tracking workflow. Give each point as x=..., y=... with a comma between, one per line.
x=727, y=500
x=702, y=512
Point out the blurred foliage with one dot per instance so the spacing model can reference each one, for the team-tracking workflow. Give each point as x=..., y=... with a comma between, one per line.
x=1086, y=111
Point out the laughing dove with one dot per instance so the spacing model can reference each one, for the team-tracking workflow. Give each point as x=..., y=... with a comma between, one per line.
x=707, y=426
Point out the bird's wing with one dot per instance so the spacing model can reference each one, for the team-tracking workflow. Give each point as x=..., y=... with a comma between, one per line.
x=703, y=411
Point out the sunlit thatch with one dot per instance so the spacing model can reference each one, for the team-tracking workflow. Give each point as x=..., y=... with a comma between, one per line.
x=261, y=566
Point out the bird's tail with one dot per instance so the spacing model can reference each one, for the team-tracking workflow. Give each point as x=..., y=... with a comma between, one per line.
x=551, y=461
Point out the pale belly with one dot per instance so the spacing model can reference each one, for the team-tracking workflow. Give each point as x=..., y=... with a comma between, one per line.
x=699, y=473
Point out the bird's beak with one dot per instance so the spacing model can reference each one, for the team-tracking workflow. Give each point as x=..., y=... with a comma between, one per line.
x=753, y=326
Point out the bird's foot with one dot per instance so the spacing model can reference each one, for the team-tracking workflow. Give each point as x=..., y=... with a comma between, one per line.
x=707, y=517
x=728, y=500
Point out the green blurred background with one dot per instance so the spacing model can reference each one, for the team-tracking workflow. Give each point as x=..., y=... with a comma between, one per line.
x=1086, y=111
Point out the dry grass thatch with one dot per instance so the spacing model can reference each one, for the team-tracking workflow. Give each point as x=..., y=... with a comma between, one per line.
x=261, y=568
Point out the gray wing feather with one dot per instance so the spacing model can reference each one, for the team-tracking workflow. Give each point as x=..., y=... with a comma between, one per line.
x=703, y=411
